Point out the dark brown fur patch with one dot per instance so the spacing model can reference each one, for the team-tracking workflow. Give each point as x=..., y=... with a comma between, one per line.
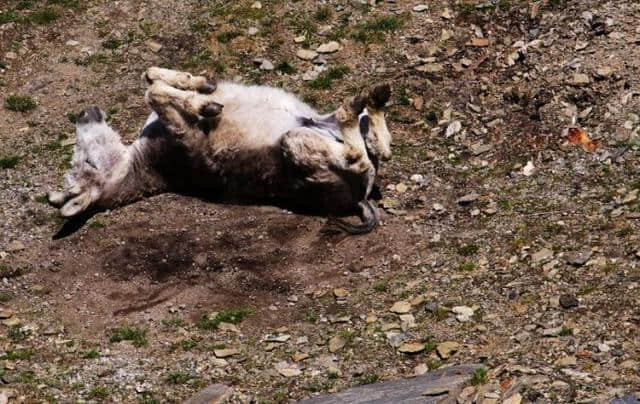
x=379, y=96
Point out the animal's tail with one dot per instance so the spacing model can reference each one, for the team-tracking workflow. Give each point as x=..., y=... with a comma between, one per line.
x=369, y=221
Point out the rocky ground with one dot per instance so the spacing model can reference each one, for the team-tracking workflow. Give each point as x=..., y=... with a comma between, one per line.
x=510, y=209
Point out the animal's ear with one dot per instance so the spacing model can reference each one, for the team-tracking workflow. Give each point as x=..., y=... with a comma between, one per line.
x=76, y=205
x=379, y=96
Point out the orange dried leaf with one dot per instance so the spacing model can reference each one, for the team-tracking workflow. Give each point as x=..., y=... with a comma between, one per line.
x=580, y=137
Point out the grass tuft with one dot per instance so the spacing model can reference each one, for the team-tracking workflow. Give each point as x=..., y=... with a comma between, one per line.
x=325, y=80
x=19, y=103
x=233, y=316
x=126, y=333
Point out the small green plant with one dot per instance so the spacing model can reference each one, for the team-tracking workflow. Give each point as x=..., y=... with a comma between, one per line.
x=7, y=162
x=9, y=16
x=174, y=322
x=374, y=30
x=27, y=377
x=227, y=36
x=19, y=103
x=233, y=316
x=9, y=272
x=97, y=224
x=325, y=80
x=440, y=313
x=323, y=14
x=188, y=344
x=17, y=334
x=178, y=378
x=311, y=318
x=466, y=267
x=434, y=364
x=6, y=297
x=112, y=43
x=126, y=333
x=566, y=331
x=368, y=378
x=19, y=354
x=468, y=250
x=98, y=393
x=479, y=376
x=44, y=16
x=92, y=354
x=381, y=286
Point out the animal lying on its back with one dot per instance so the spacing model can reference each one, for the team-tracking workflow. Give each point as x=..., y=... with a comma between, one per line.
x=230, y=141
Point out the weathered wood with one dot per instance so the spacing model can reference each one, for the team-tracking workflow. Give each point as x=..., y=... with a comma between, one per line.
x=437, y=385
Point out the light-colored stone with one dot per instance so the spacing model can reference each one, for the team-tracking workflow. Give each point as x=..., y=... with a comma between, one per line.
x=401, y=307
x=447, y=349
x=154, y=46
x=329, y=47
x=411, y=348
x=306, y=54
x=420, y=7
x=336, y=343
x=224, y=353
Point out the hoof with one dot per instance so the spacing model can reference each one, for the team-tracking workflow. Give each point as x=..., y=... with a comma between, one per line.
x=207, y=88
x=210, y=110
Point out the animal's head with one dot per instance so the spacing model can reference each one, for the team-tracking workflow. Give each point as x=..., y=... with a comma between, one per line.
x=99, y=163
x=373, y=125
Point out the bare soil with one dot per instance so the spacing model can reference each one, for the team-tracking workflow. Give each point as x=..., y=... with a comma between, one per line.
x=550, y=326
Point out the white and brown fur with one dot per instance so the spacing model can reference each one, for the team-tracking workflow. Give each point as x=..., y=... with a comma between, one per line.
x=234, y=142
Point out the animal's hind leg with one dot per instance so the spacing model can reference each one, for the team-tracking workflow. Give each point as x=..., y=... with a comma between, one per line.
x=180, y=80
x=180, y=110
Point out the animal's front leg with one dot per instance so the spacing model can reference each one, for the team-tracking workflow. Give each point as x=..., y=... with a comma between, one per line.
x=180, y=110
x=180, y=80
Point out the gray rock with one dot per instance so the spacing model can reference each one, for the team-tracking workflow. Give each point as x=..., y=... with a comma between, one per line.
x=214, y=394
x=568, y=301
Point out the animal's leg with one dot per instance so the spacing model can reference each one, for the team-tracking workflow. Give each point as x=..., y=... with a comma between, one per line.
x=180, y=80
x=180, y=110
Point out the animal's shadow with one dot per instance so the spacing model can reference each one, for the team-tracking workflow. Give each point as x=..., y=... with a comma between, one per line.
x=74, y=224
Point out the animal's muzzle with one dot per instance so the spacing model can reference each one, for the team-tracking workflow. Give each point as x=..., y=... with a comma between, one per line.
x=92, y=114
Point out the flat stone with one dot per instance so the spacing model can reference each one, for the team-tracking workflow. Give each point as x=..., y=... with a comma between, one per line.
x=464, y=313
x=15, y=245
x=329, y=47
x=214, y=394
x=224, y=353
x=72, y=42
x=306, y=54
x=541, y=256
x=468, y=199
x=288, y=370
x=154, y=46
x=419, y=389
x=336, y=343
x=514, y=399
x=430, y=68
x=400, y=307
x=266, y=65
x=420, y=7
x=252, y=31
x=567, y=361
x=299, y=356
x=579, y=258
x=411, y=348
x=340, y=293
x=447, y=349
x=580, y=79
